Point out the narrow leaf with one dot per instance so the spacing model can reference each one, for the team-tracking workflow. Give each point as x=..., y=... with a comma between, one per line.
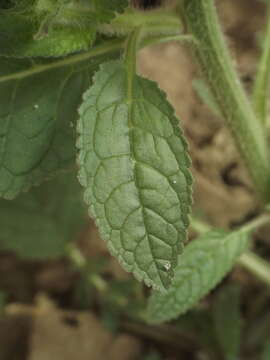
x=134, y=165
x=203, y=264
x=40, y=223
x=37, y=114
x=227, y=321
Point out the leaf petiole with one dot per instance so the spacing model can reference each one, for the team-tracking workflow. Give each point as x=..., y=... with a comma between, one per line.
x=256, y=265
x=156, y=22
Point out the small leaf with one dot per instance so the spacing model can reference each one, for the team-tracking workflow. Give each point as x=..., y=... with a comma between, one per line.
x=40, y=223
x=228, y=322
x=203, y=264
x=37, y=115
x=134, y=164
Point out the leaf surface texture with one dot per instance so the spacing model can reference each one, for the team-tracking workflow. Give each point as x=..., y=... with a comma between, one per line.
x=54, y=28
x=37, y=114
x=203, y=264
x=40, y=223
x=228, y=321
x=134, y=164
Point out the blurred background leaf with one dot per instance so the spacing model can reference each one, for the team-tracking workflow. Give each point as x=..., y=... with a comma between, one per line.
x=266, y=351
x=40, y=223
x=227, y=321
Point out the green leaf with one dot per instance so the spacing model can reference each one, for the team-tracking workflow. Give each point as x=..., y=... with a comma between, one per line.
x=266, y=351
x=227, y=321
x=54, y=28
x=108, y=8
x=22, y=37
x=203, y=264
x=153, y=355
x=38, y=109
x=40, y=223
x=199, y=324
x=134, y=164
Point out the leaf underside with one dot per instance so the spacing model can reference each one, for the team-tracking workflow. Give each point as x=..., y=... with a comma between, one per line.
x=37, y=115
x=40, y=223
x=134, y=165
x=203, y=264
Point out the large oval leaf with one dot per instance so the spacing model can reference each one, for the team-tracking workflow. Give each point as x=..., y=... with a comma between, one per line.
x=37, y=115
x=40, y=223
x=134, y=164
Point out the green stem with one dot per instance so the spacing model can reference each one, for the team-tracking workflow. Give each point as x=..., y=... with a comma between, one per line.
x=250, y=261
x=200, y=226
x=255, y=223
x=202, y=22
x=157, y=22
x=132, y=46
x=160, y=39
x=256, y=265
x=261, y=87
x=106, y=47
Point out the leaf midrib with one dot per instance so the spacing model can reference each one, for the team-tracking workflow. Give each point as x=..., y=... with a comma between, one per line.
x=132, y=126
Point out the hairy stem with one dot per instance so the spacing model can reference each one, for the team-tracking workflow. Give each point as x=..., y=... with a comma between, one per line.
x=132, y=45
x=106, y=48
x=202, y=22
x=159, y=39
x=250, y=261
x=164, y=22
x=262, y=80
